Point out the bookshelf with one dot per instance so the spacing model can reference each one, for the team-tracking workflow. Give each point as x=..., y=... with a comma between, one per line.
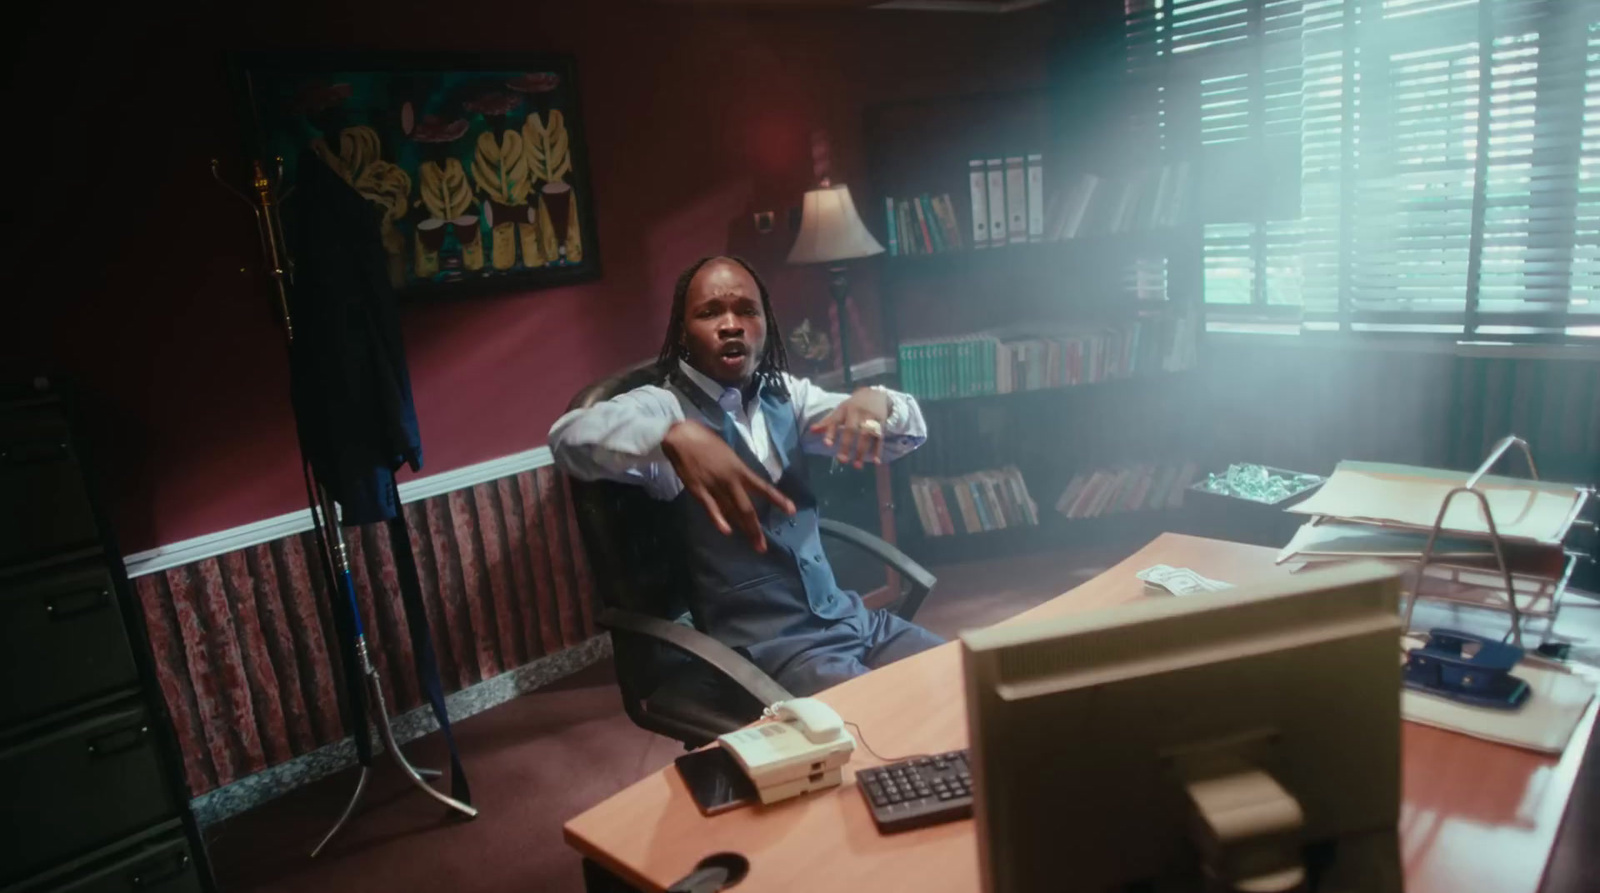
x=1112, y=277
x=1052, y=436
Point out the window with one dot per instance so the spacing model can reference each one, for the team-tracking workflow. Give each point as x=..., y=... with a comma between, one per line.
x=1423, y=166
x=1583, y=309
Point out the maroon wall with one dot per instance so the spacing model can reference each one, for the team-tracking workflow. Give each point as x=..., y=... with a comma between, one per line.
x=127, y=265
x=244, y=641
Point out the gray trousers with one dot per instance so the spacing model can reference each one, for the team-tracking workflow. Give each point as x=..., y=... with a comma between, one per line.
x=844, y=650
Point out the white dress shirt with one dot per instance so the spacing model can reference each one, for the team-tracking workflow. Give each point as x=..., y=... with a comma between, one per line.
x=620, y=439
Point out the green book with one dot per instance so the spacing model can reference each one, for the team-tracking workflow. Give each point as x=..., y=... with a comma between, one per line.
x=974, y=364
x=902, y=365
x=980, y=368
x=960, y=349
x=991, y=349
x=966, y=366
x=953, y=363
x=919, y=368
x=925, y=369
x=925, y=365
x=986, y=508
x=947, y=369
x=917, y=373
x=935, y=232
x=927, y=372
x=977, y=364
x=946, y=378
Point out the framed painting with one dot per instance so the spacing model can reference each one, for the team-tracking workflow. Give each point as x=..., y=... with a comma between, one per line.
x=477, y=164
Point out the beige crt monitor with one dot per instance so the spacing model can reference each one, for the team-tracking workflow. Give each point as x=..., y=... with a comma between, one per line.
x=1240, y=740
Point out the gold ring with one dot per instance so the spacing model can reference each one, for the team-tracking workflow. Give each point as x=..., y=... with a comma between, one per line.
x=871, y=426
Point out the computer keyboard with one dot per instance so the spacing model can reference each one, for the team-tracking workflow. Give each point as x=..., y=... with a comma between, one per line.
x=917, y=793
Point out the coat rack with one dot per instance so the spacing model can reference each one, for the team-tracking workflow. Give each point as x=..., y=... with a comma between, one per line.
x=263, y=201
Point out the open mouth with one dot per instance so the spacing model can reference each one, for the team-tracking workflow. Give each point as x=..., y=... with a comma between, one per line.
x=733, y=354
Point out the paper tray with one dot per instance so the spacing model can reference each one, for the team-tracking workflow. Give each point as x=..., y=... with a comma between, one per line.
x=1321, y=539
x=1476, y=587
x=1409, y=497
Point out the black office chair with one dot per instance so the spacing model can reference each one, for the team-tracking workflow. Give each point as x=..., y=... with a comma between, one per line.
x=676, y=680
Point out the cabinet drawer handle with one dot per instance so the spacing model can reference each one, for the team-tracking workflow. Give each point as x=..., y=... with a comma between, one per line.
x=153, y=872
x=117, y=742
x=74, y=604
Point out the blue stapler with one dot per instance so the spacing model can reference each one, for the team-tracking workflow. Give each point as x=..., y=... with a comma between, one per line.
x=1467, y=668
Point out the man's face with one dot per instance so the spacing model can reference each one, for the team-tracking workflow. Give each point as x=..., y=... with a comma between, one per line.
x=724, y=324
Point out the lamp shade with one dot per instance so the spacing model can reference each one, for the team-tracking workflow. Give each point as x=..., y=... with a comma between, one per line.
x=831, y=230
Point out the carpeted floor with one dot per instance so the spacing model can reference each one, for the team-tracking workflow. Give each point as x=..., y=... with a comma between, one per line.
x=534, y=763
x=539, y=760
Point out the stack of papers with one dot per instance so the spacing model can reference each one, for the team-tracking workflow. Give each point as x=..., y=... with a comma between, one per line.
x=1409, y=497
x=1386, y=513
x=1321, y=539
x=1480, y=587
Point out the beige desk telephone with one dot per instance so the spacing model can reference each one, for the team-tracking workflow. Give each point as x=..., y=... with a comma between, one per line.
x=803, y=749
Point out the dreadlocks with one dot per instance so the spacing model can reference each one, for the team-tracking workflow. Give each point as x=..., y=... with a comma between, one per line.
x=774, y=358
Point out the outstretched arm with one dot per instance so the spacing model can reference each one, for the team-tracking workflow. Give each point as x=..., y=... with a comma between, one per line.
x=641, y=437
x=837, y=424
x=620, y=440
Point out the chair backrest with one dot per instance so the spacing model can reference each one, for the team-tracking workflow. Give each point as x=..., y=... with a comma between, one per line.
x=629, y=539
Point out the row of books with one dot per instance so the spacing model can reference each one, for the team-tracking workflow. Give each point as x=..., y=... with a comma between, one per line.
x=1007, y=200
x=1152, y=198
x=922, y=225
x=987, y=363
x=1008, y=207
x=1138, y=488
x=996, y=499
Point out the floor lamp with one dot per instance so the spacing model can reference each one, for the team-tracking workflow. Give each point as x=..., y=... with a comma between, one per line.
x=831, y=232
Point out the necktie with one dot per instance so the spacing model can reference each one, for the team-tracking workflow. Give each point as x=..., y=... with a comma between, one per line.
x=731, y=401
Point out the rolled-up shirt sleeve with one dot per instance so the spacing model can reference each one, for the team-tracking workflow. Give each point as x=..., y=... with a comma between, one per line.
x=904, y=431
x=620, y=440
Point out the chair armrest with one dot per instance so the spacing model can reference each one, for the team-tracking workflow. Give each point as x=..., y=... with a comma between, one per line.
x=921, y=580
x=700, y=646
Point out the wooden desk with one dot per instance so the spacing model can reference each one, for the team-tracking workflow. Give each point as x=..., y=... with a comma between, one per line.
x=1475, y=816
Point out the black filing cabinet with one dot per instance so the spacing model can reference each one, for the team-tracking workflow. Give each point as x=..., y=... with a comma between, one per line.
x=91, y=793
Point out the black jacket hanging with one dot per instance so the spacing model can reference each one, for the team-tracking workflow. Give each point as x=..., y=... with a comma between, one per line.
x=352, y=400
x=349, y=381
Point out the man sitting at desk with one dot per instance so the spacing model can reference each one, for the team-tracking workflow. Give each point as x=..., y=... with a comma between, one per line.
x=720, y=438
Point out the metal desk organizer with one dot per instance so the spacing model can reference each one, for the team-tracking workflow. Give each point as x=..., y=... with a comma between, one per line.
x=1543, y=603
x=1470, y=669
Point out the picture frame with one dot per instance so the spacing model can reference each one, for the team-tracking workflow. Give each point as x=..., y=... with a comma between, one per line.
x=477, y=163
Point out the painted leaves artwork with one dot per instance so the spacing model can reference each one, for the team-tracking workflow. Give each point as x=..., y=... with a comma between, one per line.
x=478, y=175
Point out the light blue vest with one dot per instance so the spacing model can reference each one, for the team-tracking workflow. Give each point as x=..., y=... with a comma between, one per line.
x=765, y=605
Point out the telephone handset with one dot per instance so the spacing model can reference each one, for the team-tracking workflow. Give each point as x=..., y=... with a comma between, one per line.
x=801, y=751
x=816, y=720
